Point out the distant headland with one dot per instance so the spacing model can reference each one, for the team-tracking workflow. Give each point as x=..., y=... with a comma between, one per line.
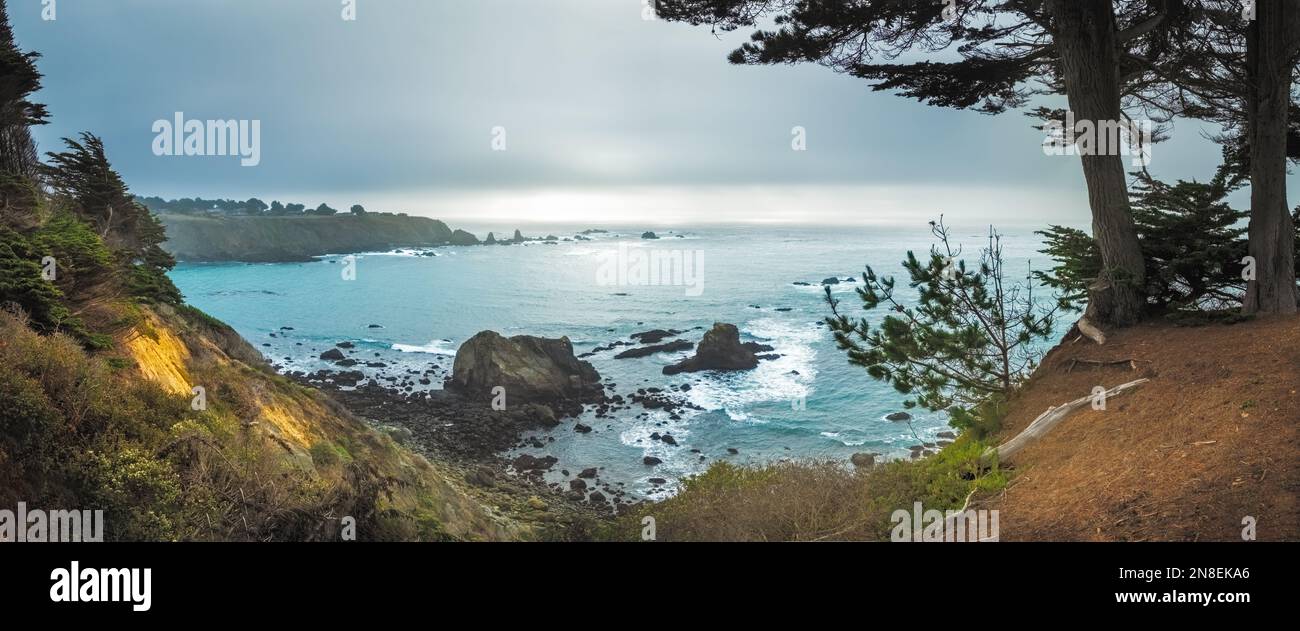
x=217, y=230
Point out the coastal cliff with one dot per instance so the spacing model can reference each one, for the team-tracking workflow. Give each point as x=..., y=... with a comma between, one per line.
x=284, y=239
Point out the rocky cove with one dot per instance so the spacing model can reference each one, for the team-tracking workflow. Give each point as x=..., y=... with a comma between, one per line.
x=500, y=392
x=387, y=345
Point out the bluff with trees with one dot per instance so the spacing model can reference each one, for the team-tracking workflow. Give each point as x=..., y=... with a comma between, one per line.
x=115, y=395
x=296, y=238
x=1114, y=61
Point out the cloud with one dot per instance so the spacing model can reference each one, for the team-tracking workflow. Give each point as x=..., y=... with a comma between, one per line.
x=401, y=103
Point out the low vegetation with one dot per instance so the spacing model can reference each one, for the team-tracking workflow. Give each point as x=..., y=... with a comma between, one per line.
x=79, y=433
x=812, y=501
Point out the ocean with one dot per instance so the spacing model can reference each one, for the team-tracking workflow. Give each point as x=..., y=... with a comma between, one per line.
x=808, y=403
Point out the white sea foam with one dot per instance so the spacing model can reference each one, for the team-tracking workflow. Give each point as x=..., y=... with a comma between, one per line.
x=436, y=347
x=786, y=378
x=837, y=437
x=819, y=289
x=407, y=252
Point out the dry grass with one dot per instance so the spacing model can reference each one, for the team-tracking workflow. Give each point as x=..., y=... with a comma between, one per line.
x=811, y=501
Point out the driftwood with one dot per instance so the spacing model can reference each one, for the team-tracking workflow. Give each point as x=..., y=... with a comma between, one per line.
x=1049, y=419
x=1090, y=331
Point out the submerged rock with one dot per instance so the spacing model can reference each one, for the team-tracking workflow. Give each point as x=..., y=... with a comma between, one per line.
x=654, y=336
x=643, y=351
x=898, y=416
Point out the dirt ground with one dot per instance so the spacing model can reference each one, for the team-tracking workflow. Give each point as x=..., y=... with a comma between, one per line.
x=1210, y=440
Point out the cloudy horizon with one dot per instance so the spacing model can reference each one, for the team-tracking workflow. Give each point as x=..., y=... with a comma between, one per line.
x=608, y=118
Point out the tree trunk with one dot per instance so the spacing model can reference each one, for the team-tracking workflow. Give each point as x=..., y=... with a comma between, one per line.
x=1270, y=42
x=1086, y=44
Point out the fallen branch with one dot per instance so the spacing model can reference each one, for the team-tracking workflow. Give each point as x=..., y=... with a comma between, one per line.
x=1090, y=331
x=1132, y=363
x=1049, y=419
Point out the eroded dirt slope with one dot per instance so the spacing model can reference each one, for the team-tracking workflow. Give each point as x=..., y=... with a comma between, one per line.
x=1211, y=439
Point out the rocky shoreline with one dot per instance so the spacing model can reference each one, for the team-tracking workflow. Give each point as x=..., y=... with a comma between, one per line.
x=503, y=388
x=470, y=439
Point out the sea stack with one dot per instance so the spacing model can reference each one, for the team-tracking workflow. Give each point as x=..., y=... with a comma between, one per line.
x=530, y=369
x=460, y=237
x=720, y=349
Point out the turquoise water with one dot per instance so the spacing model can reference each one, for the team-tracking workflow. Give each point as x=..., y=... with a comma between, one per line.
x=809, y=403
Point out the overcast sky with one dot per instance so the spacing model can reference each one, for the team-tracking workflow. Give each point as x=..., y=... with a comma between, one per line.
x=608, y=117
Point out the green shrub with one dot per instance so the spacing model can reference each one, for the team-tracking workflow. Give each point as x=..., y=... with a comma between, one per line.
x=327, y=454
x=27, y=425
x=21, y=282
x=982, y=420
x=972, y=335
x=81, y=255
x=139, y=493
x=1192, y=241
